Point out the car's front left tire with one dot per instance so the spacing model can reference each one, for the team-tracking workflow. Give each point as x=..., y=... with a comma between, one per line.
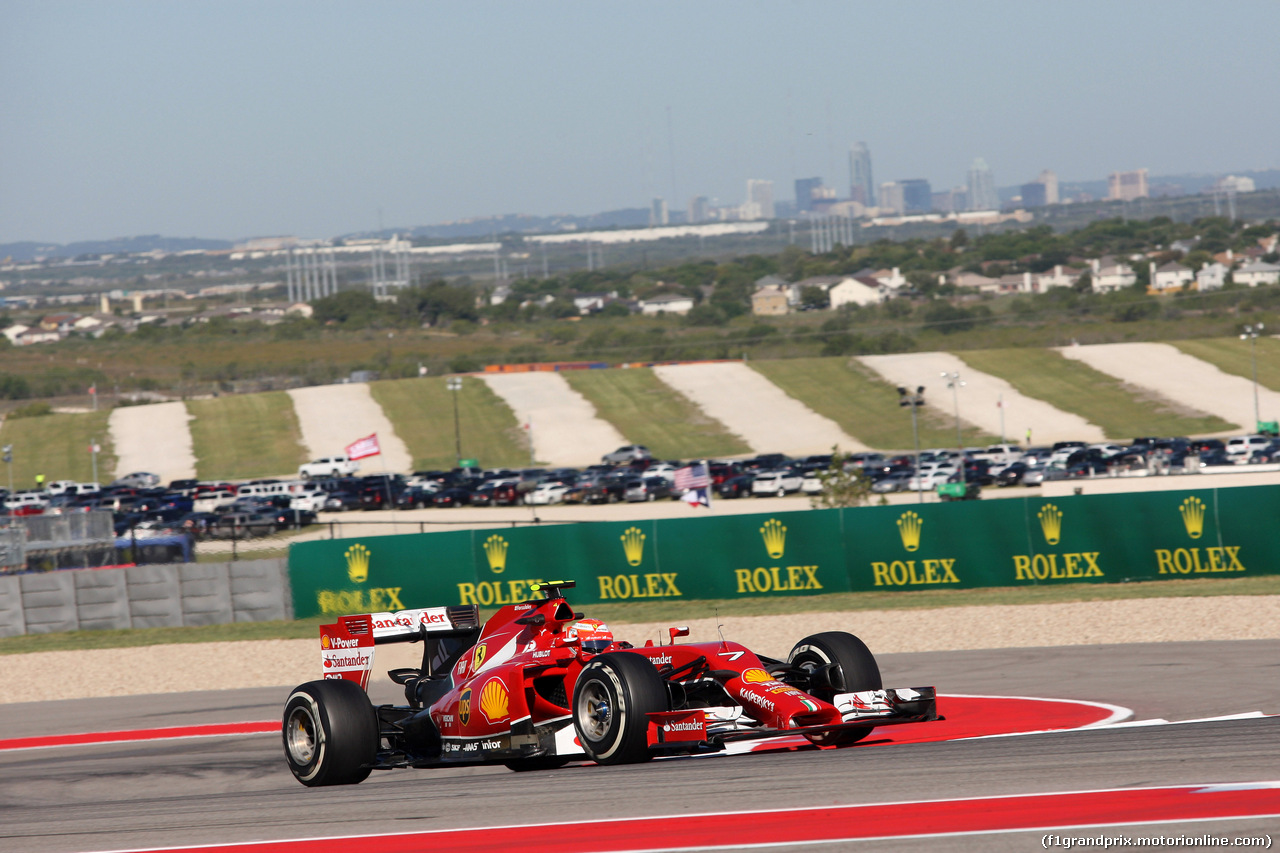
x=330, y=732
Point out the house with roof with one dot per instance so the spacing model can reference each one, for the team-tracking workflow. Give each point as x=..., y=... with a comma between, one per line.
x=858, y=290
x=667, y=303
x=590, y=303
x=1170, y=277
x=1110, y=274
x=1212, y=276
x=770, y=301
x=892, y=279
x=1059, y=276
x=975, y=281
x=1255, y=273
x=822, y=282
x=1015, y=282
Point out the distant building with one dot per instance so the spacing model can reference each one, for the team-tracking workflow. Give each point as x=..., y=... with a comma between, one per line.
x=658, y=213
x=1110, y=274
x=1170, y=277
x=1050, y=181
x=982, y=187
x=1127, y=186
x=1234, y=184
x=770, y=300
x=856, y=290
x=759, y=203
x=917, y=196
x=699, y=209
x=1034, y=195
x=861, y=188
x=672, y=303
x=1255, y=273
x=1212, y=276
x=805, y=194
x=1059, y=277
x=891, y=200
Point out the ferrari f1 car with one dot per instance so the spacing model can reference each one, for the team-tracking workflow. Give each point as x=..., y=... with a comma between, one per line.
x=538, y=686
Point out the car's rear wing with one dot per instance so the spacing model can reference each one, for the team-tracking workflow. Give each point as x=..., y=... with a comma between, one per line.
x=346, y=646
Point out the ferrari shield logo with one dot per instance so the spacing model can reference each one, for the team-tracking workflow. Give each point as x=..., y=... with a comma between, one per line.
x=477, y=657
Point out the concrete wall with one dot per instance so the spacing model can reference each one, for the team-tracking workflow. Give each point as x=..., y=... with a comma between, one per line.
x=183, y=594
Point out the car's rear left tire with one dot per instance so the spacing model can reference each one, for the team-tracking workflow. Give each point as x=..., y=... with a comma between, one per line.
x=612, y=699
x=849, y=668
x=330, y=732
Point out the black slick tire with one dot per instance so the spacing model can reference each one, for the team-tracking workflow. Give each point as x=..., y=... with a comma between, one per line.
x=330, y=732
x=611, y=701
x=850, y=668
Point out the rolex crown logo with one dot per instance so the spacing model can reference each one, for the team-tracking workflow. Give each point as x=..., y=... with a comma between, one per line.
x=1050, y=523
x=1192, y=511
x=357, y=563
x=633, y=545
x=495, y=548
x=775, y=537
x=909, y=524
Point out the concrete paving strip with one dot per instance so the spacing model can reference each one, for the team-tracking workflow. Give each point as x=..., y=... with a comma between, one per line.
x=983, y=399
x=756, y=410
x=154, y=438
x=1183, y=379
x=564, y=424
x=333, y=416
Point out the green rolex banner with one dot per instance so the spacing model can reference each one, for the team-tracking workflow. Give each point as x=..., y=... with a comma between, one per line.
x=1008, y=542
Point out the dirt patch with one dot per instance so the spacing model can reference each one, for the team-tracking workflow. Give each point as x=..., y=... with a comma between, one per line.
x=756, y=410
x=154, y=438
x=333, y=416
x=565, y=427
x=270, y=663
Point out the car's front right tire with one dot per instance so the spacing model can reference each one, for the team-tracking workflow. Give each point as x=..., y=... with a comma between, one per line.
x=330, y=732
x=612, y=699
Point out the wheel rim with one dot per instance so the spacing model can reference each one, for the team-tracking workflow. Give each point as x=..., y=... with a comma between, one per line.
x=595, y=713
x=301, y=736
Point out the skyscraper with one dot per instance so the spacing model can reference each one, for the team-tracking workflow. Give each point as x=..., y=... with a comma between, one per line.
x=1050, y=181
x=699, y=209
x=861, y=188
x=658, y=213
x=759, y=200
x=1126, y=186
x=917, y=196
x=891, y=197
x=982, y=187
x=804, y=193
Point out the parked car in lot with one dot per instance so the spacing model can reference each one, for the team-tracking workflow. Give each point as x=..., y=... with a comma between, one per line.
x=894, y=482
x=341, y=501
x=137, y=480
x=627, y=453
x=329, y=466
x=243, y=525
x=778, y=482
x=544, y=494
x=451, y=497
x=293, y=519
x=1012, y=474
x=736, y=487
x=648, y=489
x=1242, y=447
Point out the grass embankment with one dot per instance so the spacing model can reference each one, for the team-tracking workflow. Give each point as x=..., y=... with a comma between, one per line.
x=1232, y=355
x=58, y=447
x=422, y=411
x=677, y=612
x=1072, y=386
x=648, y=411
x=865, y=406
x=248, y=435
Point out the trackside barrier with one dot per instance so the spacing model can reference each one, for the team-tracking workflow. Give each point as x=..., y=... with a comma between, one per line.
x=184, y=594
x=1011, y=542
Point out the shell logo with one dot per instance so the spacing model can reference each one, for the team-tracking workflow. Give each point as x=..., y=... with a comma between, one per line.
x=756, y=676
x=494, y=701
x=324, y=641
x=464, y=707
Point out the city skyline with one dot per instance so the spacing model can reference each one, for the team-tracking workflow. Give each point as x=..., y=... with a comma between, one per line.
x=231, y=120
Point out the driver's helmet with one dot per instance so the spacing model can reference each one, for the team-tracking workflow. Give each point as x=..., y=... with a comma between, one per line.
x=593, y=635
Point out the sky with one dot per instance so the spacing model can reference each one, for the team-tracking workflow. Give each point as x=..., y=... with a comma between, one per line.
x=231, y=120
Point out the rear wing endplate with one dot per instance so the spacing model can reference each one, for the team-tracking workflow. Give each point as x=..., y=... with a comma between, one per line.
x=347, y=646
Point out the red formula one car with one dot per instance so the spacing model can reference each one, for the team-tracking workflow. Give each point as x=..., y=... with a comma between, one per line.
x=539, y=686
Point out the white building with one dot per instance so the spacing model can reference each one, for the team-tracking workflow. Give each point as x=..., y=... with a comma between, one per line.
x=1212, y=276
x=1110, y=274
x=1169, y=277
x=856, y=291
x=1059, y=277
x=670, y=303
x=1255, y=273
x=759, y=203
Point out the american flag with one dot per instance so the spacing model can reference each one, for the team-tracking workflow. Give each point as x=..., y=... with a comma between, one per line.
x=692, y=477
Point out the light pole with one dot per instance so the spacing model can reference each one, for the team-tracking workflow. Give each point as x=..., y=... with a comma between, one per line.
x=954, y=383
x=915, y=401
x=454, y=384
x=1252, y=332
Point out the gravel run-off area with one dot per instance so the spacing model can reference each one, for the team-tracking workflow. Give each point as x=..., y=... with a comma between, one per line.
x=284, y=663
x=333, y=416
x=756, y=410
x=1183, y=379
x=154, y=438
x=983, y=398
x=564, y=425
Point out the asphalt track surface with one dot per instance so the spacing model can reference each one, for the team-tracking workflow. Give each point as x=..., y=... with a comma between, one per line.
x=175, y=793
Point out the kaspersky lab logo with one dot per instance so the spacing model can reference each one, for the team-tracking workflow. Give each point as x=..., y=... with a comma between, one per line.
x=633, y=545
x=909, y=524
x=775, y=537
x=357, y=563
x=1192, y=512
x=1050, y=523
x=495, y=549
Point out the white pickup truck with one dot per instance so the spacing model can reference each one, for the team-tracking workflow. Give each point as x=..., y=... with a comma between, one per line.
x=330, y=466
